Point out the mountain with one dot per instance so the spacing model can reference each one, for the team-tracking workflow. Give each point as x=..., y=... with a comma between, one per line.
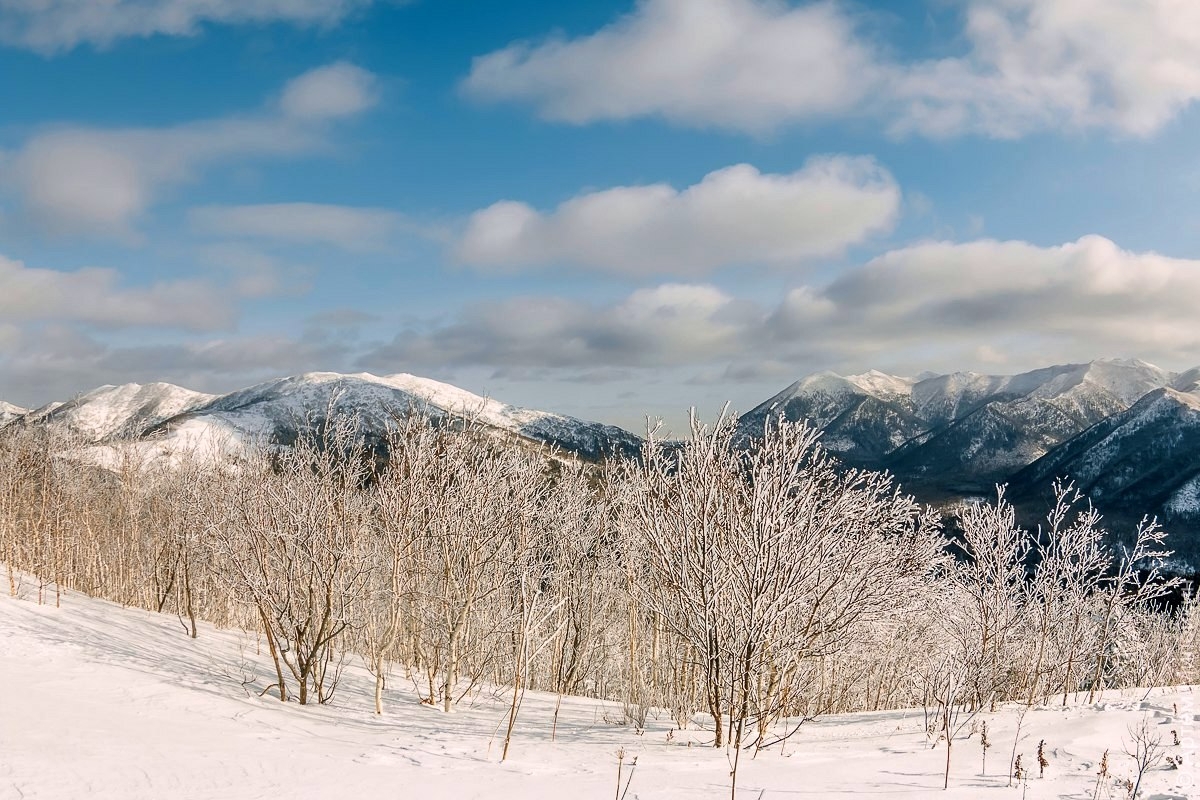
x=112, y=412
x=1145, y=459
x=863, y=417
x=9, y=412
x=961, y=431
x=175, y=419
x=983, y=428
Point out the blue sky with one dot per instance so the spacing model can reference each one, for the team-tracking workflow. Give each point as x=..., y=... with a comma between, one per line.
x=608, y=209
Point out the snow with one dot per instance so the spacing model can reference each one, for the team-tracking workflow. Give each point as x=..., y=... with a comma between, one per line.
x=104, y=702
x=106, y=411
x=1185, y=501
x=879, y=383
x=9, y=412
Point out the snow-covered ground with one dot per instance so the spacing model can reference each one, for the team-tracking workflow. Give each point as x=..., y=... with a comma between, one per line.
x=102, y=702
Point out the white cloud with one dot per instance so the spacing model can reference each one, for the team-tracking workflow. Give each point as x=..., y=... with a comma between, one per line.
x=345, y=227
x=336, y=90
x=50, y=26
x=666, y=324
x=96, y=181
x=736, y=215
x=1127, y=65
x=752, y=65
x=55, y=362
x=95, y=296
x=1079, y=300
x=741, y=64
x=935, y=305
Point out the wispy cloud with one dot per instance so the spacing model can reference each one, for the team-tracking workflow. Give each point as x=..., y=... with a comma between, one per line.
x=100, y=181
x=344, y=227
x=51, y=26
x=96, y=296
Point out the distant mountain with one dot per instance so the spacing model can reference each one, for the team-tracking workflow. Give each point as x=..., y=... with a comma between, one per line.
x=983, y=428
x=111, y=412
x=277, y=411
x=1145, y=459
x=1127, y=432
x=961, y=431
x=864, y=417
x=9, y=412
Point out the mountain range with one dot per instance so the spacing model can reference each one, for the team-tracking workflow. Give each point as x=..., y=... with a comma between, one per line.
x=1127, y=432
x=175, y=419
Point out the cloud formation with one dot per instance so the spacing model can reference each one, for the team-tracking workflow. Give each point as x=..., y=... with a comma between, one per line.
x=329, y=92
x=344, y=227
x=51, y=26
x=58, y=361
x=754, y=65
x=728, y=63
x=98, y=181
x=95, y=296
x=735, y=215
x=650, y=327
x=938, y=305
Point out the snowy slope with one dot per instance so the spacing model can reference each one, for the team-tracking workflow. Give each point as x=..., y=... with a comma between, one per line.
x=118, y=704
x=1146, y=458
x=278, y=409
x=862, y=417
x=170, y=420
x=962, y=431
x=9, y=412
x=118, y=411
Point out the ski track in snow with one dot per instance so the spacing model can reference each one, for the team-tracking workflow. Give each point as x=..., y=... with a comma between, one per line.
x=105, y=702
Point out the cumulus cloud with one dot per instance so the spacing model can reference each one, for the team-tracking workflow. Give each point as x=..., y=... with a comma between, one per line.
x=345, y=227
x=935, y=305
x=1080, y=299
x=1126, y=65
x=50, y=26
x=753, y=65
x=95, y=296
x=736, y=215
x=742, y=64
x=336, y=90
x=97, y=181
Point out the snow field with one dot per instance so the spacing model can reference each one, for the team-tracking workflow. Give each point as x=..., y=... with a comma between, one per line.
x=105, y=702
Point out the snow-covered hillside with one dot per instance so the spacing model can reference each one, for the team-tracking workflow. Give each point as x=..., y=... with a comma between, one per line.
x=1145, y=458
x=119, y=411
x=964, y=429
x=110, y=703
x=9, y=412
x=171, y=419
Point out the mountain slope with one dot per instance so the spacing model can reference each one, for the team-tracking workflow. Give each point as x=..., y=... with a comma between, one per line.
x=863, y=417
x=1146, y=458
x=179, y=419
x=962, y=431
x=118, y=411
x=9, y=412
x=986, y=427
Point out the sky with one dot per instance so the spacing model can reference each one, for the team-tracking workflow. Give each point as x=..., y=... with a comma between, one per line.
x=606, y=208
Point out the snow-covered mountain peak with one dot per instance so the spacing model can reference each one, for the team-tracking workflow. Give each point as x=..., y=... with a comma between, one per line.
x=880, y=383
x=126, y=409
x=9, y=412
x=831, y=384
x=1125, y=380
